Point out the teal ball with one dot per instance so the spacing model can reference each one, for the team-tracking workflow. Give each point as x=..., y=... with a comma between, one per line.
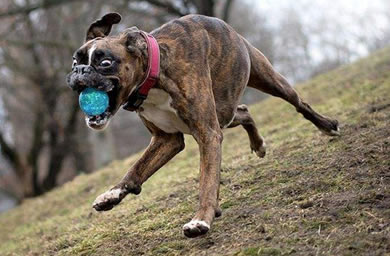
x=93, y=102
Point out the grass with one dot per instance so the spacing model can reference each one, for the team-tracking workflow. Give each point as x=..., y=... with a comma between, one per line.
x=311, y=194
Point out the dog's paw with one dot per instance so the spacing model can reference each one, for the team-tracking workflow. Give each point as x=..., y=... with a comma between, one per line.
x=332, y=133
x=109, y=199
x=218, y=212
x=332, y=129
x=260, y=151
x=195, y=228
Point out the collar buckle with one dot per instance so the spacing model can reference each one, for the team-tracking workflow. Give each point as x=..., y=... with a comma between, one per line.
x=134, y=101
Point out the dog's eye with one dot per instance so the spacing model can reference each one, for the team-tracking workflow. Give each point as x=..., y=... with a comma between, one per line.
x=106, y=63
x=74, y=63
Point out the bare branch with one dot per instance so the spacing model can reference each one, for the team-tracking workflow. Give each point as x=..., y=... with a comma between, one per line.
x=11, y=27
x=15, y=66
x=29, y=44
x=169, y=7
x=9, y=152
x=30, y=8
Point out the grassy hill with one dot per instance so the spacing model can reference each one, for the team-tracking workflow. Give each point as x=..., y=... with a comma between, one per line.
x=310, y=195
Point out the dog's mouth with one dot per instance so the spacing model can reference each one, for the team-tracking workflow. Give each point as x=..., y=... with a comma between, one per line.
x=78, y=81
x=99, y=122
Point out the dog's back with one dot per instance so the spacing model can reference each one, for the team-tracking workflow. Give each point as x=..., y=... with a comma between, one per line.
x=197, y=41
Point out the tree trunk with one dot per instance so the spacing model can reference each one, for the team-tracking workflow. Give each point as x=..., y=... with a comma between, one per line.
x=226, y=10
x=61, y=144
x=83, y=154
x=25, y=176
x=35, y=181
x=206, y=7
x=55, y=164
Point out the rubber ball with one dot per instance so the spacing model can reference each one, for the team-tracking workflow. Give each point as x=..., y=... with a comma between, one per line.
x=93, y=102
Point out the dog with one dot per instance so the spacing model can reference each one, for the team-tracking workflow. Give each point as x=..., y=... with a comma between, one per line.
x=204, y=67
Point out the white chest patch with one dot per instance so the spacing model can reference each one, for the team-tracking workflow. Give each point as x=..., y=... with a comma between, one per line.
x=157, y=109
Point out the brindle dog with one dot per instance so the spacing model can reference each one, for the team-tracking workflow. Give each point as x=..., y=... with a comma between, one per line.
x=205, y=67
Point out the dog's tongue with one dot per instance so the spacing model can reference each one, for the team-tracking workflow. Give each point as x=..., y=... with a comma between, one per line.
x=98, y=120
x=97, y=117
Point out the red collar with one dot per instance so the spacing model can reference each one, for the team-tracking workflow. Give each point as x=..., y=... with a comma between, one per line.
x=141, y=91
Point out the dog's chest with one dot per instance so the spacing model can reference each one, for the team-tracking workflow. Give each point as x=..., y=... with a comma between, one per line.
x=157, y=109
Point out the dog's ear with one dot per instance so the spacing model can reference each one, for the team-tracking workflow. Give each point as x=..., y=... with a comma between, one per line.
x=135, y=42
x=102, y=27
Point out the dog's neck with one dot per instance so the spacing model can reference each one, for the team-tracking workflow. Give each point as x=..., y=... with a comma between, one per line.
x=151, y=75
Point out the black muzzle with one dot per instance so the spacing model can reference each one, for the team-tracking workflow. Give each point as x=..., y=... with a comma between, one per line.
x=83, y=76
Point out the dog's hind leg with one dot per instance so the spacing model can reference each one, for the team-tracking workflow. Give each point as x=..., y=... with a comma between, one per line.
x=243, y=118
x=263, y=77
x=198, y=111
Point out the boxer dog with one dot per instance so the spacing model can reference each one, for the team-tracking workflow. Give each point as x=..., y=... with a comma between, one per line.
x=204, y=67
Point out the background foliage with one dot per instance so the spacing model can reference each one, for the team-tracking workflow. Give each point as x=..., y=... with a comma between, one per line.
x=43, y=139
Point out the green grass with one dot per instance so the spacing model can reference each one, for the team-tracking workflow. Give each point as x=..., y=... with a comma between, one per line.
x=310, y=195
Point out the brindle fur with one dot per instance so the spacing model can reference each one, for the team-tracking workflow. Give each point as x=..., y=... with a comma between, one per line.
x=205, y=67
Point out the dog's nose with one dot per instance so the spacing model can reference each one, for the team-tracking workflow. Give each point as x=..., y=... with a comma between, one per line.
x=82, y=69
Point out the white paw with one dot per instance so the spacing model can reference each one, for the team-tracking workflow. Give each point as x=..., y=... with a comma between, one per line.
x=108, y=195
x=195, y=228
x=336, y=133
x=109, y=199
x=194, y=223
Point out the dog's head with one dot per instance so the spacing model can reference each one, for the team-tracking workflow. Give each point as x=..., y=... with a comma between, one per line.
x=114, y=64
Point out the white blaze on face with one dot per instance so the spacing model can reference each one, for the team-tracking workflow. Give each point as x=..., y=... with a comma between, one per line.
x=90, y=53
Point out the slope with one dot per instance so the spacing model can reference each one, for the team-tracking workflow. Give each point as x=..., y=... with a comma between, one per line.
x=311, y=194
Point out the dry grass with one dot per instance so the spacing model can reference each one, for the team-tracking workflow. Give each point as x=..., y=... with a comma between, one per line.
x=311, y=195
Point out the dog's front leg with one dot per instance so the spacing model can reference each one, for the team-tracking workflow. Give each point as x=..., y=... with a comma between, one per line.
x=161, y=149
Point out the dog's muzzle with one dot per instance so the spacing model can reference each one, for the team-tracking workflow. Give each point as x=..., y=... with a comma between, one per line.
x=84, y=76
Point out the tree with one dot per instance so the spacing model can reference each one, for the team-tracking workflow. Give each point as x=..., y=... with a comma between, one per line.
x=43, y=113
x=37, y=41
